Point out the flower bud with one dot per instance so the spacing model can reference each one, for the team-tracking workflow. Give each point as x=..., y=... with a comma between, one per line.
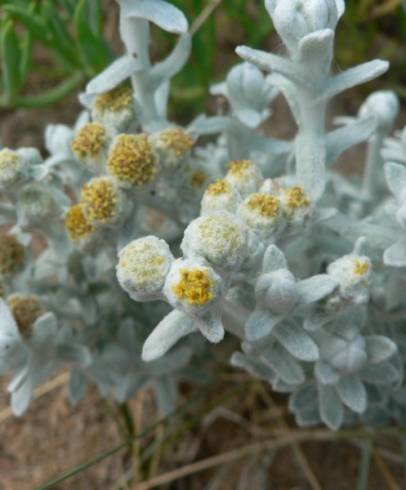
x=262, y=213
x=277, y=291
x=115, y=109
x=296, y=204
x=103, y=203
x=192, y=287
x=384, y=106
x=220, y=239
x=90, y=145
x=346, y=352
x=143, y=266
x=26, y=309
x=295, y=19
x=79, y=228
x=132, y=161
x=37, y=205
x=13, y=168
x=354, y=274
x=244, y=176
x=12, y=256
x=220, y=196
x=173, y=146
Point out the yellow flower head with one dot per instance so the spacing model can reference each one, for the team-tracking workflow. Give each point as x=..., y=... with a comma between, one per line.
x=196, y=287
x=102, y=201
x=116, y=100
x=240, y=168
x=12, y=255
x=296, y=198
x=219, y=187
x=266, y=205
x=175, y=140
x=11, y=164
x=77, y=225
x=132, y=160
x=90, y=141
x=361, y=268
x=26, y=309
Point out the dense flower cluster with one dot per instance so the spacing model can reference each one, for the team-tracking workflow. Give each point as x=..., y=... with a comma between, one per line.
x=245, y=234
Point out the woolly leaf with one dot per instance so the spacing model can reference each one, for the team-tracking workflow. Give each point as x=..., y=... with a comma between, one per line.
x=331, y=408
x=297, y=342
x=159, y=12
x=352, y=393
x=379, y=348
x=166, y=334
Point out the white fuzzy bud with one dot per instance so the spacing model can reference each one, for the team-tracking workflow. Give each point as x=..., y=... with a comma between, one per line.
x=244, y=176
x=354, y=274
x=295, y=19
x=262, y=213
x=384, y=106
x=221, y=239
x=143, y=266
x=220, y=196
x=277, y=291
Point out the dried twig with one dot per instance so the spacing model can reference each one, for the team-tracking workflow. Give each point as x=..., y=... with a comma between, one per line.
x=203, y=16
x=234, y=455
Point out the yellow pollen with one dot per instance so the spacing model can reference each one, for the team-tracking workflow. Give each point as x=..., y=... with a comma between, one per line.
x=9, y=159
x=296, y=198
x=198, y=179
x=361, y=267
x=218, y=188
x=267, y=205
x=239, y=168
x=195, y=286
x=12, y=255
x=116, y=100
x=89, y=141
x=26, y=309
x=177, y=140
x=100, y=200
x=76, y=223
x=132, y=160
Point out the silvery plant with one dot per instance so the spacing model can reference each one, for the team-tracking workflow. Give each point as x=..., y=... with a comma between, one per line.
x=136, y=245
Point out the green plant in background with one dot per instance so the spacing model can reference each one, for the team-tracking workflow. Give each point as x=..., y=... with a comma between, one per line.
x=71, y=32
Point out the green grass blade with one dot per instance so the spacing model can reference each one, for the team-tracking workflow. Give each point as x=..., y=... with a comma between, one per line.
x=364, y=466
x=10, y=55
x=106, y=454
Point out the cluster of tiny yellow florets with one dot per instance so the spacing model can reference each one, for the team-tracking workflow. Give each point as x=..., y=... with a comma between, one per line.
x=116, y=100
x=268, y=206
x=141, y=261
x=296, y=198
x=12, y=255
x=26, y=309
x=90, y=141
x=239, y=168
x=100, y=199
x=132, y=160
x=77, y=224
x=195, y=287
x=219, y=187
x=177, y=140
x=10, y=165
x=361, y=267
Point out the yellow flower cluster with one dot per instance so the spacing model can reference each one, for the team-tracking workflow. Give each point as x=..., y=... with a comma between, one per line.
x=195, y=286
